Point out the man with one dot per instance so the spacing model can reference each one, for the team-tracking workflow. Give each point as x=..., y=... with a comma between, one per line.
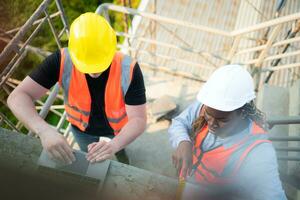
x=104, y=93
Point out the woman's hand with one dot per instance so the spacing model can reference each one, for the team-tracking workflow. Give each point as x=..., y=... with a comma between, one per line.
x=182, y=158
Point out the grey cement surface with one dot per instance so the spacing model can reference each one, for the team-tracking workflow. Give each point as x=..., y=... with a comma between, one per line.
x=274, y=101
x=122, y=181
x=294, y=130
x=152, y=150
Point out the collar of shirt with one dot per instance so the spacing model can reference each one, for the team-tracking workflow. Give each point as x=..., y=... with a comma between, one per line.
x=212, y=141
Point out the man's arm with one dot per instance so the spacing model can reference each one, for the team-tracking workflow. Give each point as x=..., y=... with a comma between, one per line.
x=137, y=121
x=136, y=125
x=21, y=103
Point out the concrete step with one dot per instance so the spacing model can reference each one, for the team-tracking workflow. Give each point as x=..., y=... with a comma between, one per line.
x=122, y=182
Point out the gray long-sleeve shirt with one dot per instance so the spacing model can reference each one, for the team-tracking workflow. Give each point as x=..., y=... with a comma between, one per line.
x=259, y=173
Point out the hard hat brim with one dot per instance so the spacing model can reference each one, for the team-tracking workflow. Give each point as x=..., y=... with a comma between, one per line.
x=225, y=105
x=92, y=68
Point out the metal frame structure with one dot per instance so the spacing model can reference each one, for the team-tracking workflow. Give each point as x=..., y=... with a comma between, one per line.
x=18, y=49
x=274, y=25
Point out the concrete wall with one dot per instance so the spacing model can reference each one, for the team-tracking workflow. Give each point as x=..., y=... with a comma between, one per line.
x=274, y=101
x=294, y=130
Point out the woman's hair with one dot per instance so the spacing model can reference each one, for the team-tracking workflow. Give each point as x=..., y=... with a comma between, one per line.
x=249, y=110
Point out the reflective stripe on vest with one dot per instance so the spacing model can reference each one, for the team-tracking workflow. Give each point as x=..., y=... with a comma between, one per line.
x=77, y=97
x=220, y=165
x=116, y=112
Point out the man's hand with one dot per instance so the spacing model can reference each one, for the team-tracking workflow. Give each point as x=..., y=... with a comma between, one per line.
x=57, y=146
x=102, y=150
x=182, y=158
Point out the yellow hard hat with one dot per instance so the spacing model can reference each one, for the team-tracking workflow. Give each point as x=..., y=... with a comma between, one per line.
x=92, y=43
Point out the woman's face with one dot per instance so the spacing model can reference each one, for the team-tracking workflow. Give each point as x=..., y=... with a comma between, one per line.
x=221, y=123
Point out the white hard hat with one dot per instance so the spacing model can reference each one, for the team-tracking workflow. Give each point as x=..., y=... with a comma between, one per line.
x=229, y=88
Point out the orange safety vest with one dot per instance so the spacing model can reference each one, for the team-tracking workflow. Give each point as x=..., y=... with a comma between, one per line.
x=220, y=165
x=77, y=97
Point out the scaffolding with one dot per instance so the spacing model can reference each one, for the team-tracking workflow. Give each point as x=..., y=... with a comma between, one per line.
x=18, y=50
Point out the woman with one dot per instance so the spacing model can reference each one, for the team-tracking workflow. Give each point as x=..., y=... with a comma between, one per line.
x=221, y=141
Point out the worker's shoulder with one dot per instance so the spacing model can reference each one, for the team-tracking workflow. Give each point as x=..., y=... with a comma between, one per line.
x=262, y=153
x=55, y=55
x=129, y=61
x=120, y=54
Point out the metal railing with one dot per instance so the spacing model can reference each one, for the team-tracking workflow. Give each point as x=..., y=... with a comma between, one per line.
x=283, y=120
x=287, y=120
x=275, y=27
x=18, y=49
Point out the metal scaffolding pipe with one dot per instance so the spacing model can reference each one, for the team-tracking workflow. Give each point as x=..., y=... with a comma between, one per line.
x=61, y=121
x=14, y=65
x=18, y=37
x=287, y=148
x=53, y=29
x=287, y=138
x=34, y=23
x=169, y=45
x=8, y=69
x=289, y=158
x=283, y=120
x=105, y=6
x=62, y=16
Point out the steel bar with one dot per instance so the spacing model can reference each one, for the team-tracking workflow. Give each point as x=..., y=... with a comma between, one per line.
x=269, y=43
x=165, y=57
x=235, y=46
x=287, y=149
x=274, y=22
x=6, y=120
x=280, y=67
x=289, y=158
x=284, y=120
x=285, y=138
x=19, y=36
x=261, y=47
x=34, y=23
x=61, y=121
x=53, y=30
x=20, y=51
x=169, y=45
x=168, y=71
x=155, y=17
x=14, y=65
x=63, y=16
